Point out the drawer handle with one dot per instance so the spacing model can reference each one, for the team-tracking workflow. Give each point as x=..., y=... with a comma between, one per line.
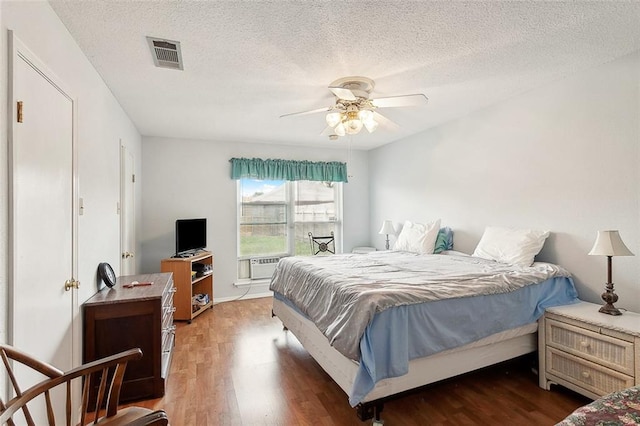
x=585, y=374
x=584, y=344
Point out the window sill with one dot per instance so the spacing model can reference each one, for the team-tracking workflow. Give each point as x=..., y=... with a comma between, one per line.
x=249, y=282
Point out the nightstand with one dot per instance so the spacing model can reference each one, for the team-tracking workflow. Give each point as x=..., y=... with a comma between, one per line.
x=588, y=352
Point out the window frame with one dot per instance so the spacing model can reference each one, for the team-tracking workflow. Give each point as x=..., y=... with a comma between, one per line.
x=290, y=197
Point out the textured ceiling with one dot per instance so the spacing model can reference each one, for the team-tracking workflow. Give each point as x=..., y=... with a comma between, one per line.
x=247, y=63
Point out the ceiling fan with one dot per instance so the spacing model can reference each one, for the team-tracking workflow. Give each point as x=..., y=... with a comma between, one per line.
x=353, y=109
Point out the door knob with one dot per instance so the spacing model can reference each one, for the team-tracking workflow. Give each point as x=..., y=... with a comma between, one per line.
x=69, y=284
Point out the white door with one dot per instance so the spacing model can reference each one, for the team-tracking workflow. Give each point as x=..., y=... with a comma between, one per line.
x=127, y=212
x=42, y=213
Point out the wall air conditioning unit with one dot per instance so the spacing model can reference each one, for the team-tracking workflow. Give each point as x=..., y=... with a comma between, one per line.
x=262, y=267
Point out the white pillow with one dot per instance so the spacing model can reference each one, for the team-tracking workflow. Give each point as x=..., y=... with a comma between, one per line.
x=417, y=237
x=512, y=246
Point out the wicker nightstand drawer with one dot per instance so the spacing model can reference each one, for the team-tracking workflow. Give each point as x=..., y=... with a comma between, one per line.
x=604, y=350
x=585, y=374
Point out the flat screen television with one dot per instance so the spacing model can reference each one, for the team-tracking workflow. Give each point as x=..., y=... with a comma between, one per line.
x=191, y=235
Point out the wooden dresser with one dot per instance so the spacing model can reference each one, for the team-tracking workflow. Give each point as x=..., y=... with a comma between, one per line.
x=121, y=318
x=587, y=351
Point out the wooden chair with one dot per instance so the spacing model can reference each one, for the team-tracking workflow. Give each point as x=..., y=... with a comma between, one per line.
x=107, y=373
x=324, y=245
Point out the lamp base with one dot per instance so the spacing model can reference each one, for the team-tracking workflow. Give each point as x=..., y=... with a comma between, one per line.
x=609, y=298
x=609, y=309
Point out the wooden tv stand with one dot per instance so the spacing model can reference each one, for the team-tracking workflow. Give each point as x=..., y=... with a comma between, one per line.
x=181, y=267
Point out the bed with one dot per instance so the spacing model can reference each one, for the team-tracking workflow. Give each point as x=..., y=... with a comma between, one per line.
x=616, y=409
x=387, y=322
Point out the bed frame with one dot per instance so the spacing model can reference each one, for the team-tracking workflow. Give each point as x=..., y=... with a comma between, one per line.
x=422, y=371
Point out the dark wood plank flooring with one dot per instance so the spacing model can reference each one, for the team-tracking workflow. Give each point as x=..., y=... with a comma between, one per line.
x=234, y=365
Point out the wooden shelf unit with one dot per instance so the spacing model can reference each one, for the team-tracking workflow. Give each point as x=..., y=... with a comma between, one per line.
x=186, y=286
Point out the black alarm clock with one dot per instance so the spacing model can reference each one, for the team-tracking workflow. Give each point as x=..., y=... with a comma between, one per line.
x=106, y=273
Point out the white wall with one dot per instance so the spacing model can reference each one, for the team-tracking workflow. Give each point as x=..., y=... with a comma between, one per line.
x=564, y=157
x=101, y=123
x=188, y=178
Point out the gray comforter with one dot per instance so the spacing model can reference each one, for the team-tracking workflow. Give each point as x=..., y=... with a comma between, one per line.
x=342, y=293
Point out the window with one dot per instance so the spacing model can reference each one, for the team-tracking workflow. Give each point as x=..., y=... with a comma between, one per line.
x=316, y=210
x=263, y=217
x=276, y=216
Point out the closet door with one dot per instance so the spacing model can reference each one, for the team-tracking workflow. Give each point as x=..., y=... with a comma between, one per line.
x=42, y=219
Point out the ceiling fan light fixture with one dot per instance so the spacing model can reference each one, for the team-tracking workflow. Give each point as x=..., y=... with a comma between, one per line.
x=352, y=123
x=353, y=127
x=371, y=125
x=355, y=109
x=333, y=118
x=365, y=115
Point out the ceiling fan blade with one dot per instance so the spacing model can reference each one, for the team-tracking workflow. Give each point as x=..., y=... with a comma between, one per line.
x=342, y=93
x=400, y=101
x=385, y=122
x=313, y=111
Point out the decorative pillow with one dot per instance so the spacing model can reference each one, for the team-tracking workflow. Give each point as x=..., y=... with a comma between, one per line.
x=512, y=246
x=417, y=237
x=444, y=240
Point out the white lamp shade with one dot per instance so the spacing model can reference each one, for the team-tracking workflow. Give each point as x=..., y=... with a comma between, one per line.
x=371, y=126
x=365, y=115
x=387, y=228
x=333, y=118
x=609, y=243
x=353, y=127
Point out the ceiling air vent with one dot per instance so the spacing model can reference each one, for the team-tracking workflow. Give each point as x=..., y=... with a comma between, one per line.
x=166, y=53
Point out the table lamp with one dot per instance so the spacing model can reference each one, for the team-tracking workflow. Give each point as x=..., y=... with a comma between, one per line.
x=609, y=243
x=387, y=228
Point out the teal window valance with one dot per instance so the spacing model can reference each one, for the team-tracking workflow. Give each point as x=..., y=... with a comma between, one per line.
x=273, y=169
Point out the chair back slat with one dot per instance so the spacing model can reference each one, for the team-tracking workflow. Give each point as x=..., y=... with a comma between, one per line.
x=69, y=401
x=114, y=388
x=85, y=401
x=50, y=415
x=102, y=389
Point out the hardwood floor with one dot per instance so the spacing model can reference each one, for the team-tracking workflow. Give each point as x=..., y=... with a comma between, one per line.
x=234, y=365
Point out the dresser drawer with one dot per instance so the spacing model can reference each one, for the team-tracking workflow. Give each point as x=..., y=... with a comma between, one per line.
x=604, y=350
x=167, y=296
x=585, y=374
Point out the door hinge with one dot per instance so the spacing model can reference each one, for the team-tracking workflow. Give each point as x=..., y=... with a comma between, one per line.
x=133, y=178
x=19, y=113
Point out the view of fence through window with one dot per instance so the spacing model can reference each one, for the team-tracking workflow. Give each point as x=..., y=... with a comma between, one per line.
x=269, y=209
